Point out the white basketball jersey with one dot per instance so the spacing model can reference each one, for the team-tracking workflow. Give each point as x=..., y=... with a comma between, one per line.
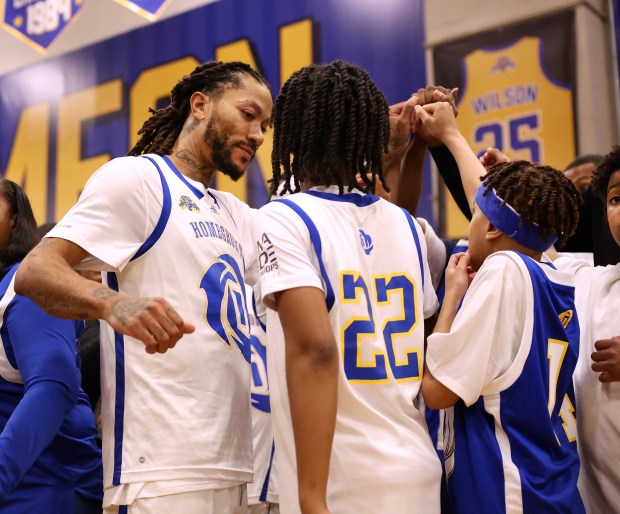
x=369, y=258
x=264, y=487
x=183, y=416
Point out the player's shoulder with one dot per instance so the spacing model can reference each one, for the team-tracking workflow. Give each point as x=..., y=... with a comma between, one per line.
x=125, y=172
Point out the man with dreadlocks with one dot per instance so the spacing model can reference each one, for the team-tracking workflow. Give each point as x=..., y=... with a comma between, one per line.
x=346, y=273
x=506, y=359
x=176, y=427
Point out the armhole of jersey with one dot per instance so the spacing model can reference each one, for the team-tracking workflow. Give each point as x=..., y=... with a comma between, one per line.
x=220, y=202
x=119, y=399
x=258, y=320
x=163, y=217
x=417, y=243
x=316, y=243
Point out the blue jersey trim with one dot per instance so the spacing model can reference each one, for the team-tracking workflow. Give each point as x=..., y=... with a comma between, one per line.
x=354, y=198
x=262, y=325
x=182, y=178
x=119, y=403
x=163, y=217
x=417, y=243
x=316, y=243
x=215, y=199
x=265, y=489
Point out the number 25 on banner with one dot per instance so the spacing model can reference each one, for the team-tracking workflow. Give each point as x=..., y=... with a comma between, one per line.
x=513, y=136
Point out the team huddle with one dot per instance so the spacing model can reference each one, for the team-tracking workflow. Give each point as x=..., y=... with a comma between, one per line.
x=296, y=354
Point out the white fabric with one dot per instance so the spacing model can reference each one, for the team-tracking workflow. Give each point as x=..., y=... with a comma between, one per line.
x=382, y=457
x=187, y=423
x=264, y=467
x=488, y=344
x=231, y=500
x=436, y=251
x=597, y=300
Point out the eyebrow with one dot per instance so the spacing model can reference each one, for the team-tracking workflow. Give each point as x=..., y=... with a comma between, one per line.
x=252, y=104
x=611, y=185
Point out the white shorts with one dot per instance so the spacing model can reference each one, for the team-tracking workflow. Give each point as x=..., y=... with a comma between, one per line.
x=264, y=508
x=232, y=500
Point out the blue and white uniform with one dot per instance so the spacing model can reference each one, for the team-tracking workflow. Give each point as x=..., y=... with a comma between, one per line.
x=510, y=357
x=48, y=451
x=369, y=258
x=264, y=489
x=179, y=422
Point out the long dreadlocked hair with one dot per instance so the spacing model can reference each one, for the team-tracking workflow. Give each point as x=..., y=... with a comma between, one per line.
x=540, y=194
x=602, y=174
x=328, y=117
x=160, y=131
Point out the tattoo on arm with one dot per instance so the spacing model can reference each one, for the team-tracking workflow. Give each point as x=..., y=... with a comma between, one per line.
x=103, y=292
x=125, y=308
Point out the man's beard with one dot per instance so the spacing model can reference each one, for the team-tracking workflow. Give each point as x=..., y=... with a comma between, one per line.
x=221, y=150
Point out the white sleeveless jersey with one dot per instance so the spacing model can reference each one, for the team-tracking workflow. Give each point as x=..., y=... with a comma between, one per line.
x=264, y=488
x=182, y=417
x=369, y=258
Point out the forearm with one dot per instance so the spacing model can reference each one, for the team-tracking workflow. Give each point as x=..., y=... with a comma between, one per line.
x=312, y=379
x=49, y=280
x=31, y=428
x=392, y=169
x=411, y=177
x=450, y=174
x=470, y=167
x=448, y=311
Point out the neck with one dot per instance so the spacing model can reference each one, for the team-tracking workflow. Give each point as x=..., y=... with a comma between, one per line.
x=506, y=243
x=190, y=164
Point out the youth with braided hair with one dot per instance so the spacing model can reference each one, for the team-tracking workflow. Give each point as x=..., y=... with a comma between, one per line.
x=346, y=280
x=176, y=428
x=505, y=360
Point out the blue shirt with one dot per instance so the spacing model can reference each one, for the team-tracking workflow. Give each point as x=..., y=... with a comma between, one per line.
x=48, y=451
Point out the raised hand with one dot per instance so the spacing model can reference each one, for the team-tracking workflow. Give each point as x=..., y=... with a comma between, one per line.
x=428, y=95
x=437, y=121
x=458, y=276
x=493, y=156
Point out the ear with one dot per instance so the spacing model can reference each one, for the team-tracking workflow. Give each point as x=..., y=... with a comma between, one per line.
x=198, y=104
x=492, y=232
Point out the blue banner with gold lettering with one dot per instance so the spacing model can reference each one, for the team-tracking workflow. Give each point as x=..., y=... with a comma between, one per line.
x=38, y=22
x=63, y=118
x=149, y=9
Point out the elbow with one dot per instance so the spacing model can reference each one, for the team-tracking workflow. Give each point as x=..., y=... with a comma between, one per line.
x=21, y=279
x=320, y=355
x=436, y=402
x=436, y=395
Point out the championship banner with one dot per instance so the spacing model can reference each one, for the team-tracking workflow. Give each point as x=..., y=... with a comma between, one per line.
x=149, y=9
x=63, y=118
x=38, y=22
x=516, y=93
